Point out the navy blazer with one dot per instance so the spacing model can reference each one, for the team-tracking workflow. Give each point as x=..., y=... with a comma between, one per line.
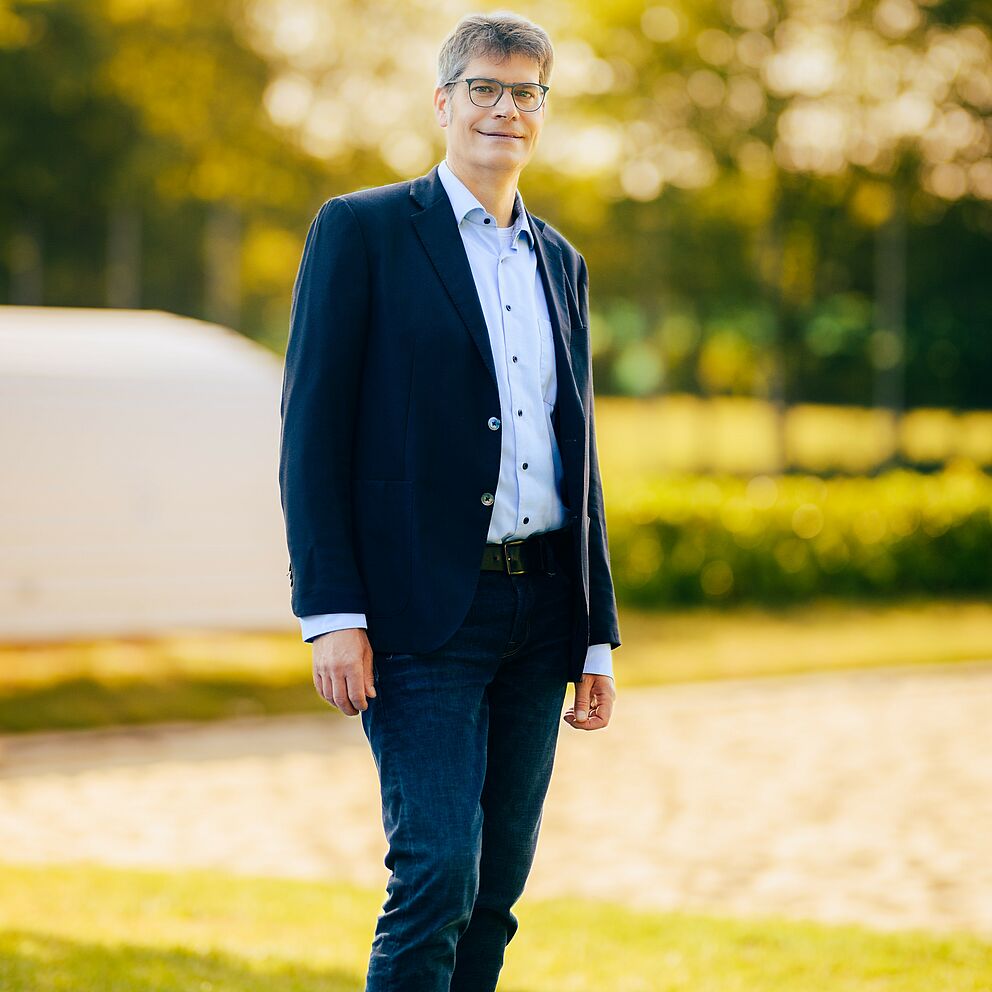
x=386, y=453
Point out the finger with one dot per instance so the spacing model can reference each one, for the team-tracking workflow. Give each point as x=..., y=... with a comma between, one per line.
x=569, y=718
x=341, y=697
x=601, y=706
x=604, y=709
x=581, y=704
x=593, y=722
x=323, y=684
x=356, y=690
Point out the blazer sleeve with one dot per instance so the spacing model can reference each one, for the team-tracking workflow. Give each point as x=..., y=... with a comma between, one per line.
x=324, y=357
x=604, y=626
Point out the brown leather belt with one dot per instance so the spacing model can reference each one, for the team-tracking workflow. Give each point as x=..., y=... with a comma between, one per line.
x=544, y=552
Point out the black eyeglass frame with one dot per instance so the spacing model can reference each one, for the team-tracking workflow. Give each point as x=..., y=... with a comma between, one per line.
x=503, y=86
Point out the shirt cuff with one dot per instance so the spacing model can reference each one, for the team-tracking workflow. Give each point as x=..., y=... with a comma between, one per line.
x=598, y=656
x=598, y=660
x=324, y=623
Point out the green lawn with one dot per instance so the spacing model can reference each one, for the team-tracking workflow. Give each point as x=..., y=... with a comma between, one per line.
x=80, y=928
x=191, y=676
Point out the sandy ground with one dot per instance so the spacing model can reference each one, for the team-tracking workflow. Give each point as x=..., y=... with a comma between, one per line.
x=862, y=796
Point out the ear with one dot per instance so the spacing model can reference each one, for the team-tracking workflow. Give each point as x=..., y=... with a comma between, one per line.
x=441, y=105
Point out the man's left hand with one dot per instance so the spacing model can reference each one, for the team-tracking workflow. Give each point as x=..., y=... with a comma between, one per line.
x=593, y=705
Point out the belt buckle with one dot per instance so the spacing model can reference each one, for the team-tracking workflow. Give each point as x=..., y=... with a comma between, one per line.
x=506, y=558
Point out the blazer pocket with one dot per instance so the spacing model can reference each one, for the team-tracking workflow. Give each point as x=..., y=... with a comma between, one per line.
x=383, y=531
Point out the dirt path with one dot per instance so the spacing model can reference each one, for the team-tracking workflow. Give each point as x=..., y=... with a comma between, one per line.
x=864, y=796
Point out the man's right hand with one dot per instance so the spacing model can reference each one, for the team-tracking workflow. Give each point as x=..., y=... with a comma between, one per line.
x=342, y=669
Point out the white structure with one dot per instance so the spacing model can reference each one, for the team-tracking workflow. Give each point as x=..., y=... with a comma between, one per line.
x=139, y=494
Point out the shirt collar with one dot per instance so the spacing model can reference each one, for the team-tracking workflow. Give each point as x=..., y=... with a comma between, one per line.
x=467, y=206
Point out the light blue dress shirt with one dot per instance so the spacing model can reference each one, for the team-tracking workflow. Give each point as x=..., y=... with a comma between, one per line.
x=527, y=500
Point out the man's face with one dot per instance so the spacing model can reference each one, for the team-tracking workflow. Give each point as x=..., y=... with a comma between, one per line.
x=472, y=130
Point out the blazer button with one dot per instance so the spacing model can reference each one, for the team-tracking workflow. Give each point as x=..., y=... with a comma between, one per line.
x=487, y=499
x=494, y=423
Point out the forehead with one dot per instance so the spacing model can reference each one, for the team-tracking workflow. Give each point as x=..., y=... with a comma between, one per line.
x=516, y=69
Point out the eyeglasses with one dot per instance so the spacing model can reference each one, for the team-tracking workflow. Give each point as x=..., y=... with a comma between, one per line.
x=488, y=92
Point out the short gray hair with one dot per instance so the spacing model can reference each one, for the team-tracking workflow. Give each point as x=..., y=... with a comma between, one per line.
x=499, y=36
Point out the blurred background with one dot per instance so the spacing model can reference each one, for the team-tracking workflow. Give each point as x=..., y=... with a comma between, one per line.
x=786, y=208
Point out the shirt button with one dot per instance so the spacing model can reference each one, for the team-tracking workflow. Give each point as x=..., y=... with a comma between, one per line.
x=526, y=520
x=494, y=423
x=486, y=221
x=508, y=307
x=524, y=465
x=487, y=499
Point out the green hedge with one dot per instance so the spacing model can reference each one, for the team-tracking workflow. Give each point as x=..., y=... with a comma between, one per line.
x=790, y=538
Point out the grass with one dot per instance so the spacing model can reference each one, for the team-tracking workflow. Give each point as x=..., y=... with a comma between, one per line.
x=202, y=676
x=829, y=635
x=81, y=927
x=185, y=676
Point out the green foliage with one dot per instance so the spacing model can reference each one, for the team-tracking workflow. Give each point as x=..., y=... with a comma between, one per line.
x=727, y=170
x=791, y=538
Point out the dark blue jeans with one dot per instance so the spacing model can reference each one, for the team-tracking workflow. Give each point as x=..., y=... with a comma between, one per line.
x=464, y=740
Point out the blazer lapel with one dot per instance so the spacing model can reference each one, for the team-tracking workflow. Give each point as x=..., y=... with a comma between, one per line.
x=568, y=418
x=435, y=225
x=553, y=276
x=549, y=262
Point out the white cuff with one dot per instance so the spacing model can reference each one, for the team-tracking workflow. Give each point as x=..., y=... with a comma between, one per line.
x=598, y=660
x=324, y=623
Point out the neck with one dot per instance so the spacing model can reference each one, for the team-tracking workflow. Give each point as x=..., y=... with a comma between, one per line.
x=495, y=190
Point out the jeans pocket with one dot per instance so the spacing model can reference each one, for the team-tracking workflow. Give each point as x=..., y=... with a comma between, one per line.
x=377, y=658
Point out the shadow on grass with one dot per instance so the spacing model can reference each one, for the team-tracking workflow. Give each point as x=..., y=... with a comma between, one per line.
x=36, y=962
x=84, y=703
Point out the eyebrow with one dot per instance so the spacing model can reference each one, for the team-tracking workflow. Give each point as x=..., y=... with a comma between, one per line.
x=493, y=79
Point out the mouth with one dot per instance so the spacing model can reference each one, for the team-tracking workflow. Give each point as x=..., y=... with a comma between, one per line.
x=504, y=135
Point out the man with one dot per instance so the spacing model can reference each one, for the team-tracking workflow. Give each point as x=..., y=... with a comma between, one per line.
x=443, y=505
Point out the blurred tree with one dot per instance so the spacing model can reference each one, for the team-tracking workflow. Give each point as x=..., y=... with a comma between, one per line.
x=768, y=117
x=814, y=172
x=141, y=119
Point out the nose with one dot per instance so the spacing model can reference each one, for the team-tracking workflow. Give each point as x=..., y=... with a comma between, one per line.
x=500, y=105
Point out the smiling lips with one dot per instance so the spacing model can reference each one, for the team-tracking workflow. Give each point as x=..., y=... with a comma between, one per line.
x=500, y=134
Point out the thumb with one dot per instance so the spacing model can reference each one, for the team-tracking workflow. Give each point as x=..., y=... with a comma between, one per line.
x=581, y=700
